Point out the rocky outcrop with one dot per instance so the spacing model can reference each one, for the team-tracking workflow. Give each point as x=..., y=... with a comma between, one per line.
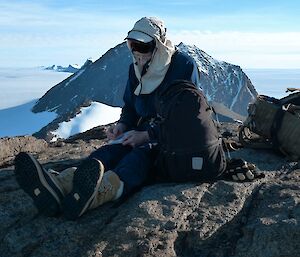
x=12, y=146
x=223, y=218
x=60, y=153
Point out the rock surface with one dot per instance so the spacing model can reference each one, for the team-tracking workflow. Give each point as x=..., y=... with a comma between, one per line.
x=12, y=146
x=223, y=218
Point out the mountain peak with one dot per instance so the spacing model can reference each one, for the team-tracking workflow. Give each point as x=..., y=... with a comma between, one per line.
x=72, y=68
x=104, y=81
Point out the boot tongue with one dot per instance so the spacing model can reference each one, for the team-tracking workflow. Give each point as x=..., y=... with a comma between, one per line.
x=111, y=188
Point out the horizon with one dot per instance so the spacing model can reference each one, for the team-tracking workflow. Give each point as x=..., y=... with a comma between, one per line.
x=253, y=35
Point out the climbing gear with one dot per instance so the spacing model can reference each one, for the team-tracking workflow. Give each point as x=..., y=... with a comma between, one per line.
x=273, y=124
x=240, y=170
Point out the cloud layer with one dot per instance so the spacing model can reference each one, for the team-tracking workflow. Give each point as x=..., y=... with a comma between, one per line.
x=35, y=34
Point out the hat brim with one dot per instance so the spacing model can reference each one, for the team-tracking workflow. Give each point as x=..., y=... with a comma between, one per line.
x=139, y=36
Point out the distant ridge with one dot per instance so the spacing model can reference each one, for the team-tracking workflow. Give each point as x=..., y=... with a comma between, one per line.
x=72, y=68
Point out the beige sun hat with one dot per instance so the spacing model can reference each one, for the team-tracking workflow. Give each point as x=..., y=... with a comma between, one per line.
x=147, y=29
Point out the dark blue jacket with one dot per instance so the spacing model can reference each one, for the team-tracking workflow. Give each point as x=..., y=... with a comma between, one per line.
x=142, y=107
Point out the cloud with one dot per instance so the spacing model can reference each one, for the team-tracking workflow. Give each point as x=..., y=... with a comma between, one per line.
x=247, y=49
x=34, y=15
x=33, y=32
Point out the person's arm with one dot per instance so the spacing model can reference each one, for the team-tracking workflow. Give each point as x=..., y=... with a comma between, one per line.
x=135, y=138
x=115, y=131
x=129, y=117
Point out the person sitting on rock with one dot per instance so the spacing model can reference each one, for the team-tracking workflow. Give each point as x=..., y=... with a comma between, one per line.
x=119, y=168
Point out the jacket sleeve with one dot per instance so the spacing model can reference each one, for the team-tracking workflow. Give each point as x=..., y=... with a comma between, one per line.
x=129, y=117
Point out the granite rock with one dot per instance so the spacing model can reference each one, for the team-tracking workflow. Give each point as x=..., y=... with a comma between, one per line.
x=222, y=218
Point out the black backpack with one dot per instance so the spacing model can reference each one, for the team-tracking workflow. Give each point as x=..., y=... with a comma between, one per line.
x=190, y=148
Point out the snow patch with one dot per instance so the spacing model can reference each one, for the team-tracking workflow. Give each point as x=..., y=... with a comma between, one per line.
x=240, y=86
x=75, y=77
x=53, y=109
x=75, y=96
x=94, y=115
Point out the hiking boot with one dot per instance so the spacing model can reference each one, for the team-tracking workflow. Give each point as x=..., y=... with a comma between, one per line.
x=91, y=188
x=38, y=184
x=86, y=182
x=111, y=188
x=64, y=179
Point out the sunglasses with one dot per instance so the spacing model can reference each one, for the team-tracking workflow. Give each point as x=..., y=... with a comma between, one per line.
x=141, y=47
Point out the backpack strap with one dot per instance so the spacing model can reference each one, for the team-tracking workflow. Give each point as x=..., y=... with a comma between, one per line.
x=276, y=125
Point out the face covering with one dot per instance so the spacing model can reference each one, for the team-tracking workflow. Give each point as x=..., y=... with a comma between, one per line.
x=141, y=59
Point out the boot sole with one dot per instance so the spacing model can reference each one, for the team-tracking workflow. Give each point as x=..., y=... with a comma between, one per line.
x=86, y=182
x=37, y=184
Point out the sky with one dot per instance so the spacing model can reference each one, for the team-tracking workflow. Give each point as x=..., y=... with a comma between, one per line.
x=248, y=33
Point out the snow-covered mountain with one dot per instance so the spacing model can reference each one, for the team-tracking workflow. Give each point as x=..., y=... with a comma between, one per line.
x=104, y=81
x=222, y=82
x=72, y=68
x=19, y=120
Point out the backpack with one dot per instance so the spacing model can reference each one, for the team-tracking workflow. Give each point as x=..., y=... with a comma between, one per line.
x=273, y=124
x=190, y=148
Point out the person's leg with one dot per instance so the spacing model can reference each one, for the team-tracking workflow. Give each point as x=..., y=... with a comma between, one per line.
x=47, y=189
x=90, y=180
x=92, y=187
x=110, y=155
x=134, y=169
x=131, y=173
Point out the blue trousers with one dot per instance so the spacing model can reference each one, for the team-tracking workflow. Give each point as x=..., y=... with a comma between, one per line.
x=134, y=166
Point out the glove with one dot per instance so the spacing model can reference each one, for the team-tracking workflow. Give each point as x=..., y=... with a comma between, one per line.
x=240, y=170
